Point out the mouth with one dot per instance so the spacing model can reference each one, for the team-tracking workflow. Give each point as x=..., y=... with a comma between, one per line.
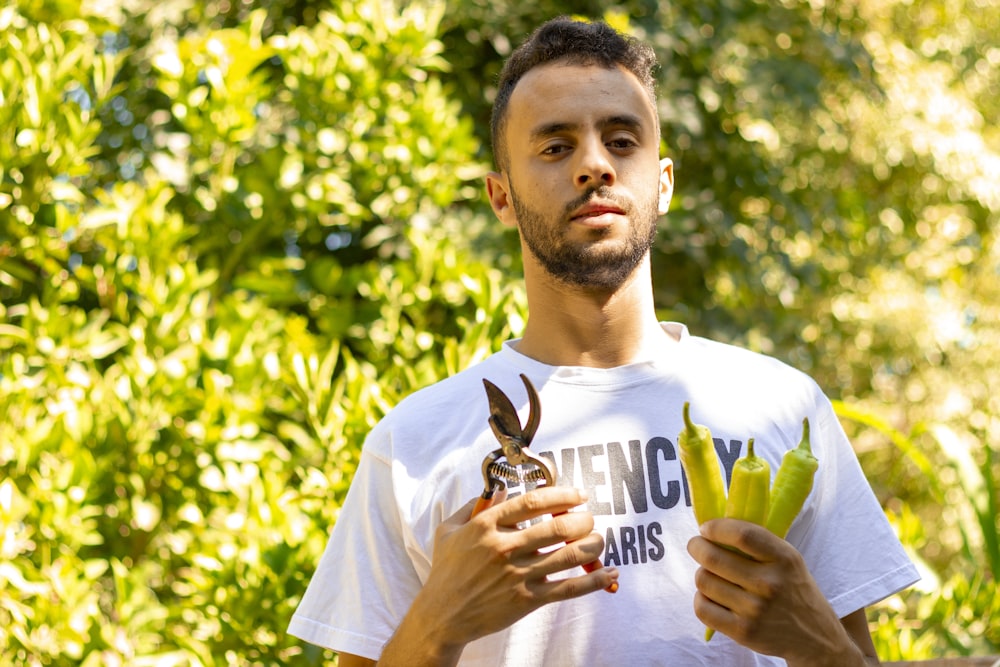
x=596, y=212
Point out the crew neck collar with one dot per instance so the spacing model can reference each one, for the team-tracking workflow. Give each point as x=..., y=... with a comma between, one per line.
x=663, y=356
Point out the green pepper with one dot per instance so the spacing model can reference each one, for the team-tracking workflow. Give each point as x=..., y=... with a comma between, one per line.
x=749, y=493
x=701, y=467
x=792, y=485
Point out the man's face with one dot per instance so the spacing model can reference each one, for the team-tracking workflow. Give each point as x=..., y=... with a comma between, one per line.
x=584, y=184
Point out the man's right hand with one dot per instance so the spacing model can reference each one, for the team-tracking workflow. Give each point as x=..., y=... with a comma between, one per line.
x=486, y=573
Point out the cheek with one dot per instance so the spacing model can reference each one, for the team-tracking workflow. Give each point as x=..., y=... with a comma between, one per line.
x=537, y=192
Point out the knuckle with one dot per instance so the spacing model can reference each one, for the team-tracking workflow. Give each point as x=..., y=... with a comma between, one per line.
x=744, y=629
x=568, y=556
x=565, y=558
x=699, y=605
x=593, y=545
x=495, y=548
x=574, y=588
x=582, y=552
x=479, y=522
x=792, y=559
x=745, y=533
x=712, y=559
x=568, y=590
x=533, y=503
x=756, y=608
x=525, y=594
x=560, y=527
x=769, y=589
x=566, y=526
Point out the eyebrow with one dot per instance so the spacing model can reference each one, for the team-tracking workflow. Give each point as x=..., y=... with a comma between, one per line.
x=546, y=130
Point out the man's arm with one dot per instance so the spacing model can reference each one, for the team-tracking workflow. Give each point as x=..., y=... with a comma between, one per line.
x=764, y=597
x=487, y=573
x=856, y=625
x=348, y=660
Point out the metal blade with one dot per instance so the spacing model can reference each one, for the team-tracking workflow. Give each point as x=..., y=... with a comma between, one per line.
x=502, y=411
x=534, y=411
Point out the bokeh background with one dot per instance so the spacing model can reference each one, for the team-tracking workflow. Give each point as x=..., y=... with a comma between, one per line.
x=234, y=233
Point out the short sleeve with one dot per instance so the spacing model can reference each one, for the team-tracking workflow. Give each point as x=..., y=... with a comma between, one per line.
x=365, y=581
x=842, y=532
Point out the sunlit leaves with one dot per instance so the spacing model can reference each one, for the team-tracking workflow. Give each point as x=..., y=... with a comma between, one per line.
x=180, y=420
x=233, y=235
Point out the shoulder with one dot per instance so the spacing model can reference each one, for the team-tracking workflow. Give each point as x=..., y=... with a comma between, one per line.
x=751, y=387
x=440, y=411
x=453, y=394
x=733, y=359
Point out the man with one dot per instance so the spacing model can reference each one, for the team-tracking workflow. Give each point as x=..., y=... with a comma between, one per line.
x=411, y=578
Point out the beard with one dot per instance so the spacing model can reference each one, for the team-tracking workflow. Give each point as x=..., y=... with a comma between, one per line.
x=589, y=264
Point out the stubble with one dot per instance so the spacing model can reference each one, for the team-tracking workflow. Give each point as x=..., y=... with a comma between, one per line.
x=596, y=263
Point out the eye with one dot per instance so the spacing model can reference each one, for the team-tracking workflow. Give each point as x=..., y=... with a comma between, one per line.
x=622, y=143
x=555, y=149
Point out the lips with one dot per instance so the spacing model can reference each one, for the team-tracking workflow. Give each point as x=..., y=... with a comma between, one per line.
x=595, y=209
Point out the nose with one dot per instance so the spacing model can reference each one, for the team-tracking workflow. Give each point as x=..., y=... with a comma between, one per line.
x=594, y=167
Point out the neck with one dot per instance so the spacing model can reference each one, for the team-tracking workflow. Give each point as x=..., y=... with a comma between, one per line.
x=576, y=326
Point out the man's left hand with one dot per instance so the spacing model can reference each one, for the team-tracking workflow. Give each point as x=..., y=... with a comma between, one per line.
x=755, y=587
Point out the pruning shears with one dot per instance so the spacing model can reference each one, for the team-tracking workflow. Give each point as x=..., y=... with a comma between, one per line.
x=513, y=462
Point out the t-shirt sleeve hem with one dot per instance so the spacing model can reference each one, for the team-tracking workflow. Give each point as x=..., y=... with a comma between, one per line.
x=334, y=639
x=875, y=591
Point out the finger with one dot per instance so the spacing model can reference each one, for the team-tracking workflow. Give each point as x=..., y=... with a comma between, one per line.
x=483, y=503
x=755, y=541
x=758, y=582
x=734, y=567
x=722, y=592
x=720, y=604
x=567, y=556
x=718, y=559
x=565, y=527
x=474, y=507
x=539, y=502
x=712, y=614
x=573, y=587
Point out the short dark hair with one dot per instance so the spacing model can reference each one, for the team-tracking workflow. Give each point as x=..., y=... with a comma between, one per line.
x=575, y=43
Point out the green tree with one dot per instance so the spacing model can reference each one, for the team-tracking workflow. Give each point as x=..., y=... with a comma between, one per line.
x=215, y=279
x=227, y=248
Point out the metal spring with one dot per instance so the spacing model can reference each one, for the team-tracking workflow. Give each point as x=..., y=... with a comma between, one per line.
x=515, y=474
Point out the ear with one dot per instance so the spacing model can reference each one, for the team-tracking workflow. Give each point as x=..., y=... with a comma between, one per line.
x=498, y=191
x=666, y=184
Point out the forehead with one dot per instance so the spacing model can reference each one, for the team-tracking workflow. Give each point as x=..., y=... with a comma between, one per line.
x=576, y=94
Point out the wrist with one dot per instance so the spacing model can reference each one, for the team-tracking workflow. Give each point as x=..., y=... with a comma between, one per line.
x=424, y=637
x=849, y=655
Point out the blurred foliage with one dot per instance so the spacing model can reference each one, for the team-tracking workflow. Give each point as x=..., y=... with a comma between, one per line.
x=234, y=234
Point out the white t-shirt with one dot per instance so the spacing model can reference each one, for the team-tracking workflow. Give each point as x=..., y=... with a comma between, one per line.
x=612, y=432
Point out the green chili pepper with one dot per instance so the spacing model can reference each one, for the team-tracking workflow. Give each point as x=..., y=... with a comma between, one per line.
x=701, y=466
x=792, y=485
x=783, y=501
x=749, y=493
x=750, y=489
